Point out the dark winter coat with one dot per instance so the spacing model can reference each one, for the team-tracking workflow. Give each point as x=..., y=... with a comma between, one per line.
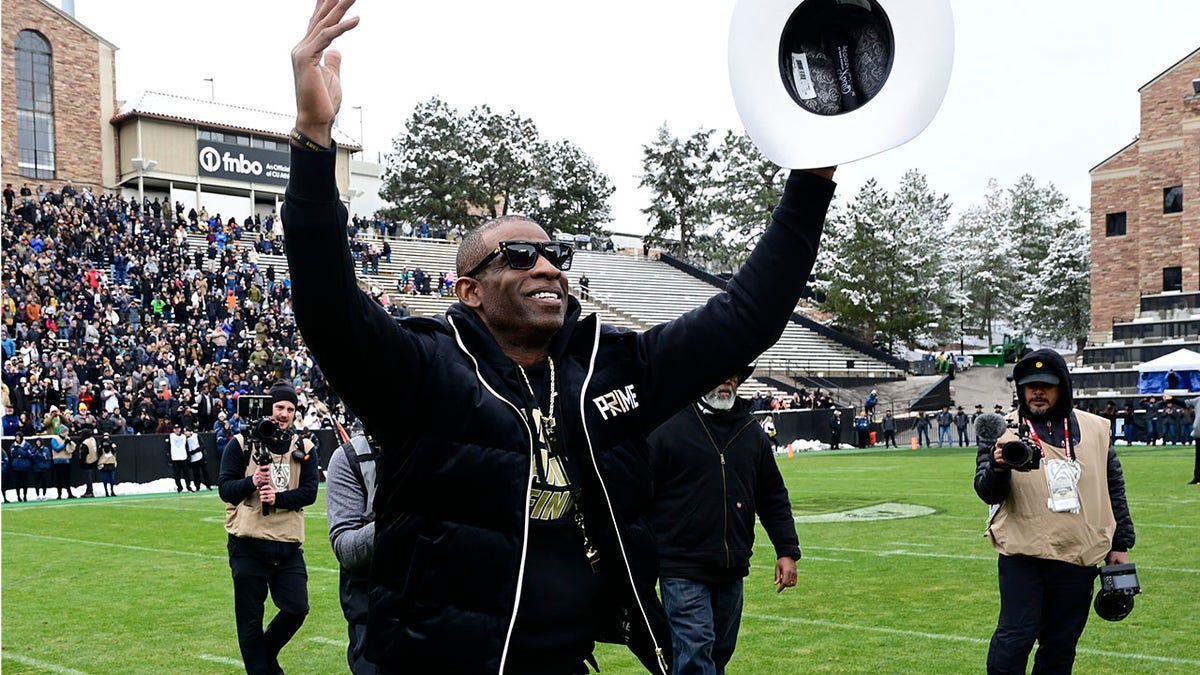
x=454, y=472
x=713, y=471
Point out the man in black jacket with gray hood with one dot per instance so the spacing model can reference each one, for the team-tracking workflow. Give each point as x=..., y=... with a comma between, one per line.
x=714, y=469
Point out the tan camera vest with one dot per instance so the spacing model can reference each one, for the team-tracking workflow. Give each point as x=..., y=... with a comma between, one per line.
x=1025, y=525
x=246, y=519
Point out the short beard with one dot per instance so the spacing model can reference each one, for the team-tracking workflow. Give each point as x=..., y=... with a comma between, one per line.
x=713, y=400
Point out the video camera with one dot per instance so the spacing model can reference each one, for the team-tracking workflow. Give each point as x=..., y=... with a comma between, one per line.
x=266, y=430
x=1118, y=585
x=1018, y=455
x=1021, y=454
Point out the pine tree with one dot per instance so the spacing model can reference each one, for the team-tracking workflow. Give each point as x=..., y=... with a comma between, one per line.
x=677, y=173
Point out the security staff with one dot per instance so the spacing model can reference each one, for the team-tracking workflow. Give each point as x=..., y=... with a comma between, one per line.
x=714, y=470
x=266, y=483
x=1051, y=524
x=349, y=499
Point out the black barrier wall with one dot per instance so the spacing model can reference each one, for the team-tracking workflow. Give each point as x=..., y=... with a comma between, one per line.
x=146, y=457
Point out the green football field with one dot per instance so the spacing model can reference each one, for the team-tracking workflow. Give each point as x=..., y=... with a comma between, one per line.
x=896, y=578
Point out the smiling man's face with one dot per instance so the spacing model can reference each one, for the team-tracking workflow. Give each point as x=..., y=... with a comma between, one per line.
x=521, y=305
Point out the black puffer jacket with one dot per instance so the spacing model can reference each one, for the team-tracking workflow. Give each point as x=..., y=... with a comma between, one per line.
x=445, y=404
x=713, y=471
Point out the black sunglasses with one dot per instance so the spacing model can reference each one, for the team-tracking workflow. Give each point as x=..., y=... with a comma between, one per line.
x=523, y=255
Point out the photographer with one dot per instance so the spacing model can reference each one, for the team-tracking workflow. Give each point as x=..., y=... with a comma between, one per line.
x=89, y=455
x=108, y=465
x=268, y=475
x=1049, y=546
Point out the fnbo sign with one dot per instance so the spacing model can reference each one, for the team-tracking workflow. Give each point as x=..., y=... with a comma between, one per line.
x=242, y=163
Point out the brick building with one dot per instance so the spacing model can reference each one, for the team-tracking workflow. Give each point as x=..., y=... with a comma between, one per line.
x=1145, y=225
x=58, y=96
x=61, y=122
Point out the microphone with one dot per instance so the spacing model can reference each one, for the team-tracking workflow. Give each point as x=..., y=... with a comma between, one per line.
x=989, y=426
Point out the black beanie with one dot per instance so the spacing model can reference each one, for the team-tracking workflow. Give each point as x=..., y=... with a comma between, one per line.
x=283, y=391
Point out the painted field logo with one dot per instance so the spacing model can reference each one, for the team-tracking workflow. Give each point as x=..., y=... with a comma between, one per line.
x=887, y=511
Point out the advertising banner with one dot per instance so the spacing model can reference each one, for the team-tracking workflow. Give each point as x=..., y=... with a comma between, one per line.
x=243, y=163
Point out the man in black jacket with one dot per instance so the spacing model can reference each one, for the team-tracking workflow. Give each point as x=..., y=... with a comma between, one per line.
x=1051, y=524
x=714, y=469
x=524, y=438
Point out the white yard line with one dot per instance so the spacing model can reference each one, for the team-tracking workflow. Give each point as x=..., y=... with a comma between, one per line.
x=144, y=549
x=328, y=641
x=212, y=658
x=53, y=668
x=952, y=556
x=964, y=638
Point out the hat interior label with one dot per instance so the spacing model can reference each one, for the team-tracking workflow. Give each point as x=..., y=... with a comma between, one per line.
x=802, y=77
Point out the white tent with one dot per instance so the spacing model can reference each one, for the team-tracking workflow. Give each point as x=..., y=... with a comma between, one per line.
x=1153, y=377
x=1180, y=359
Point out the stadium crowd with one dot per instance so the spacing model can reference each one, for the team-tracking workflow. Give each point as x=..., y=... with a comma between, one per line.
x=113, y=322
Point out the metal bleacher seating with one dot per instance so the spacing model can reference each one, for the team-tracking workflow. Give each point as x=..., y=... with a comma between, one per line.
x=628, y=291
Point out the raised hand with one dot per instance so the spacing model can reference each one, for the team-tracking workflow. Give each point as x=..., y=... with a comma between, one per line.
x=317, y=70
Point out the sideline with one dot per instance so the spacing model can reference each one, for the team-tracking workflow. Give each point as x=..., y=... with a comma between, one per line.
x=963, y=638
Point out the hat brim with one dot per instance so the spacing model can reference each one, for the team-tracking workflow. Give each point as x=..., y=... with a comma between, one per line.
x=1044, y=378
x=792, y=137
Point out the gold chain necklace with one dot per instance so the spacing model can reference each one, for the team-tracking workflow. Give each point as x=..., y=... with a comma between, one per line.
x=547, y=416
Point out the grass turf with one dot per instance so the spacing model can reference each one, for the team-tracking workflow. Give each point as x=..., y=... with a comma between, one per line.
x=140, y=584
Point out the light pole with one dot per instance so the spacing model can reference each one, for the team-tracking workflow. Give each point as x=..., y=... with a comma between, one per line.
x=212, y=89
x=361, y=141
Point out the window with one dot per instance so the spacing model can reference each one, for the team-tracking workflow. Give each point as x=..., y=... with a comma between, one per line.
x=1114, y=224
x=35, y=106
x=1173, y=199
x=1172, y=279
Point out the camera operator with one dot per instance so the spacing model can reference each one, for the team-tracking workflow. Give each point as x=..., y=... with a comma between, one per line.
x=1056, y=513
x=89, y=458
x=349, y=502
x=268, y=475
x=108, y=465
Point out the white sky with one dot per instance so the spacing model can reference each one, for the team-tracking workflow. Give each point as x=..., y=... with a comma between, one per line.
x=1046, y=87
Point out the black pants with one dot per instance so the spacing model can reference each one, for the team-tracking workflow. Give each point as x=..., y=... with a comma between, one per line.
x=62, y=478
x=41, y=481
x=259, y=566
x=356, y=652
x=1196, y=469
x=1043, y=600
x=179, y=473
x=889, y=438
x=200, y=474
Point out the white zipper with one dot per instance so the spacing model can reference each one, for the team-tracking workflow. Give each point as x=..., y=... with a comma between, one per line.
x=662, y=665
x=512, y=620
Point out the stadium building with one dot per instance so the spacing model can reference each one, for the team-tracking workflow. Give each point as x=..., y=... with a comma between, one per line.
x=62, y=122
x=1145, y=225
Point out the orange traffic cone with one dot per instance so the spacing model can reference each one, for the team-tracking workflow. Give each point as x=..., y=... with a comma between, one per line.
x=914, y=443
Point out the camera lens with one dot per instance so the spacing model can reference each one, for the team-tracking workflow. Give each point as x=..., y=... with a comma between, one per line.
x=1016, y=454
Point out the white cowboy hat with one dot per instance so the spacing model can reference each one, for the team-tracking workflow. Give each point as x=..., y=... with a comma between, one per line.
x=825, y=82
